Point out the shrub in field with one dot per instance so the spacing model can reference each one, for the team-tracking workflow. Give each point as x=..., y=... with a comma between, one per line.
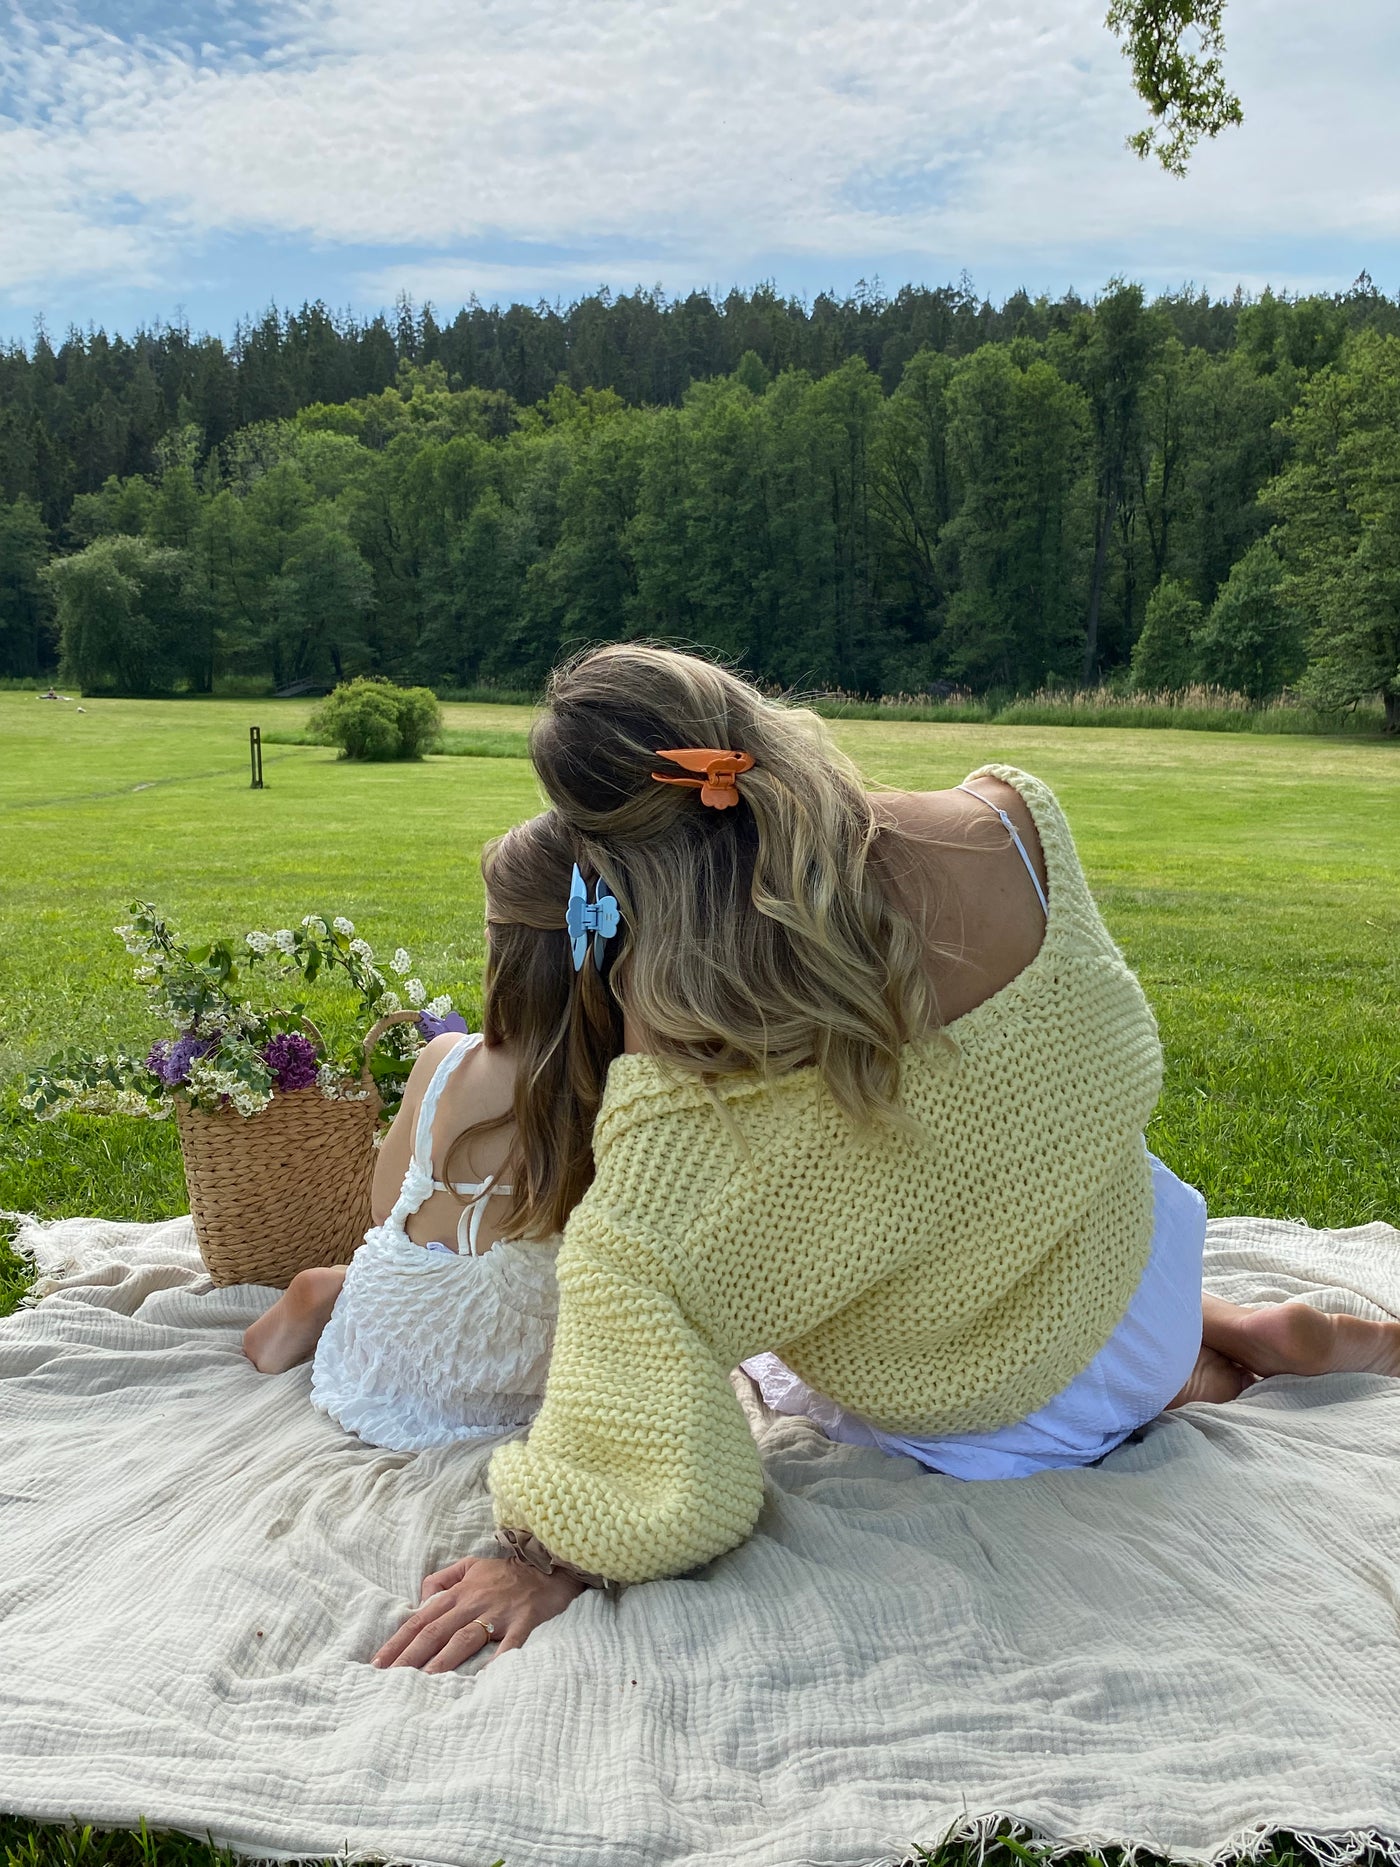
x=372, y=719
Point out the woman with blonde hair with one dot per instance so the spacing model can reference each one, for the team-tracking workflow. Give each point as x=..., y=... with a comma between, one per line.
x=876, y=1137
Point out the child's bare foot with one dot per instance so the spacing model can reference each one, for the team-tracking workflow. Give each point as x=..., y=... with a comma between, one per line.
x=1295, y=1338
x=289, y=1331
x=1214, y=1377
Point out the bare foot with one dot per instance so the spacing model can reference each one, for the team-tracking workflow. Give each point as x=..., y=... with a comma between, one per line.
x=1295, y=1338
x=289, y=1331
x=1214, y=1377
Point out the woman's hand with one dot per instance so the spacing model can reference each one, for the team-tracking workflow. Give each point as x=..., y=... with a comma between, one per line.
x=449, y=1627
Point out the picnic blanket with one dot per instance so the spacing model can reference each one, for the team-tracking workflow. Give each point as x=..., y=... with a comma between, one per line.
x=1184, y=1649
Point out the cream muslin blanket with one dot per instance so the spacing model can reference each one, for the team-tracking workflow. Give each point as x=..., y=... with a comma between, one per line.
x=1192, y=1645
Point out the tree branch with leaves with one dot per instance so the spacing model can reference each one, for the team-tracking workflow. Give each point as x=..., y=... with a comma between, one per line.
x=1184, y=88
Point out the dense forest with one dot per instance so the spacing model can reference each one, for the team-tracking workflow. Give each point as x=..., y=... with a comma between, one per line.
x=878, y=493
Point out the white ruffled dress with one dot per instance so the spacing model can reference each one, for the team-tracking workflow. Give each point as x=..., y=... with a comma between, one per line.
x=427, y=1346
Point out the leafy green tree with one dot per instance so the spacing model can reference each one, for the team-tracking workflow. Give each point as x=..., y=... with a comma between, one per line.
x=1110, y=353
x=586, y=588
x=124, y=617
x=1251, y=641
x=117, y=506
x=1017, y=447
x=664, y=541
x=286, y=584
x=912, y=494
x=1232, y=448
x=320, y=598
x=1338, y=532
x=24, y=597
x=472, y=598
x=1164, y=655
x=752, y=372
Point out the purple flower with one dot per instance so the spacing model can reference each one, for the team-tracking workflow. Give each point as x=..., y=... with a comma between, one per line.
x=170, y=1059
x=432, y=1027
x=292, y=1060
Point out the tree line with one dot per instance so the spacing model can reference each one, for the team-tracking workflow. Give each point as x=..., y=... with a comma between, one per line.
x=880, y=494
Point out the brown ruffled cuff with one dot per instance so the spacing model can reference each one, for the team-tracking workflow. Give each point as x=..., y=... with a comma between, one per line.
x=524, y=1546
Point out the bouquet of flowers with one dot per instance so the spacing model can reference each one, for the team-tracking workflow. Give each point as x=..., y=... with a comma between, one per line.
x=230, y=1052
x=277, y=1133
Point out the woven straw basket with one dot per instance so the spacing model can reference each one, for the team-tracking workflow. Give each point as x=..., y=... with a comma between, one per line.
x=277, y=1192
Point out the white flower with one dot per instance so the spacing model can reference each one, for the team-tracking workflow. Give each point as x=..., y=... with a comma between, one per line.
x=362, y=950
x=336, y=1086
x=260, y=942
x=401, y=963
x=285, y=940
x=343, y=926
x=209, y=1085
x=439, y=1007
x=134, y=942
x=146, y=973
x=417, y=992
x=315, y=924
x=387, y=1001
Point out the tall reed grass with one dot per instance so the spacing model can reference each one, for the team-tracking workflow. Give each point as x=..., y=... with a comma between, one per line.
x=1196, y=709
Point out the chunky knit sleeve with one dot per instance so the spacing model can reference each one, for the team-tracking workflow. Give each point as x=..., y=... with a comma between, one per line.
x=640, y=1462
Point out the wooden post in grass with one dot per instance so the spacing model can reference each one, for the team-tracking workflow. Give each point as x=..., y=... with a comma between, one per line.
x=255, y=753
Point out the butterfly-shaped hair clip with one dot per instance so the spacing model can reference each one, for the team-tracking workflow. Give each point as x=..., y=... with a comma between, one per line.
x=598, y=918
x=718, y=785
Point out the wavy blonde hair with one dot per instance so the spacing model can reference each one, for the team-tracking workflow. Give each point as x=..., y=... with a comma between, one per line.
x=762, y=937
x=564, y=1027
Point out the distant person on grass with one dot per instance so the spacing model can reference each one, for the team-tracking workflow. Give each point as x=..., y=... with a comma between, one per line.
x=876, y=1137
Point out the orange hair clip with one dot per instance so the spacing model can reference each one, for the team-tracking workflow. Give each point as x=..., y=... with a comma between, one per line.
x=718, y=787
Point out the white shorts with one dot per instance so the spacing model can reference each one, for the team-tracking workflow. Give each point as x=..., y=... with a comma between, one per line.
x=1138, y=1372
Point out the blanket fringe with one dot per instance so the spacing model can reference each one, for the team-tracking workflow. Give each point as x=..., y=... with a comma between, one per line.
x=26, y=1242
x=978, y=1836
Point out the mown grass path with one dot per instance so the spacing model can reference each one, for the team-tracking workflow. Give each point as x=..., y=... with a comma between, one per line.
x=1254, y=883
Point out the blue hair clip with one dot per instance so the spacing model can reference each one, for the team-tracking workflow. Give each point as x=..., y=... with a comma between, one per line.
x=599, y=917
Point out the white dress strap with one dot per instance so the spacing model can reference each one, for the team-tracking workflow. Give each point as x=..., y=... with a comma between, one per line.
x=469, y=1221
x=418, y=1178
x=1021, y=849
x=419, y=1181
x=432, y=1095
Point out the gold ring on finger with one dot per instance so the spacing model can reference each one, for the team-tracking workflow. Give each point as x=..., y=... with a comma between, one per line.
x=489, y=1626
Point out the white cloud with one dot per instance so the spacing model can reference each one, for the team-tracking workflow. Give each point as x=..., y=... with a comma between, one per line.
x=968, y=131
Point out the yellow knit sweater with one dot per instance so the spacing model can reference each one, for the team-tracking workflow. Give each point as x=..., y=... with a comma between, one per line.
x=947, y=1281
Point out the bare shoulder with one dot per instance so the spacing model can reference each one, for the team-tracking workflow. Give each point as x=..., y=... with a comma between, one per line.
x=952, y=817
x=424, y=1066
x=959, y=877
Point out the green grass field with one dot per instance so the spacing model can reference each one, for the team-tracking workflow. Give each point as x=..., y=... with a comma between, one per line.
x=1253, y=881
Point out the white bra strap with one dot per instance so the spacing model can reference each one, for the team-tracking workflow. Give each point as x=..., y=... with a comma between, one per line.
x=1021, y=849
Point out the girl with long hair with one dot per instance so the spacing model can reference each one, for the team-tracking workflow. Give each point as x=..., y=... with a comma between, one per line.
x=440, y=1327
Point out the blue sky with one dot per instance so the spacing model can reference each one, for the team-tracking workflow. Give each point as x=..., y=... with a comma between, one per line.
x=205, y=159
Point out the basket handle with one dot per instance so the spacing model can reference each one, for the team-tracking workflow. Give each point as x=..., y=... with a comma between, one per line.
x=373, y=1035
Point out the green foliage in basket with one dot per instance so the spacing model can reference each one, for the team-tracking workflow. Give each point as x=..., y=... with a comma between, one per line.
x=240, y=1023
